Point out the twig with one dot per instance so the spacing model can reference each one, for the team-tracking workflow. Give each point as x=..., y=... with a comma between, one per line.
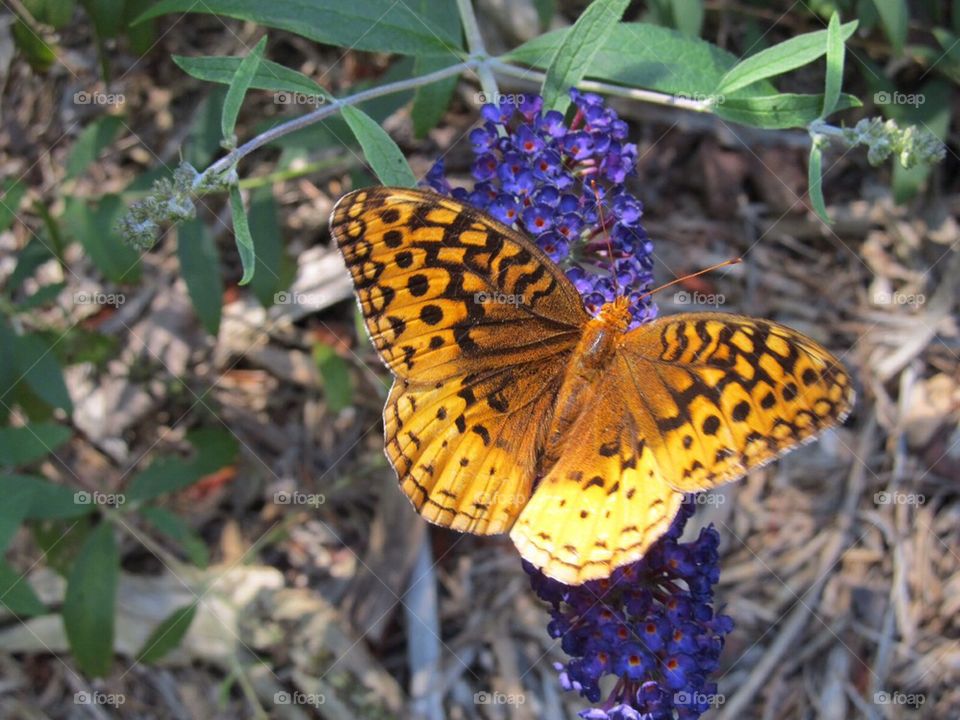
x=298, y=123
x=423, y=648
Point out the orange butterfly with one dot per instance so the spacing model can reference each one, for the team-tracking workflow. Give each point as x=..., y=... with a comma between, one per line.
x=514, y=410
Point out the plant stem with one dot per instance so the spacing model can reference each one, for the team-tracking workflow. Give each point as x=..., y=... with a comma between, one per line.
x=649, y=96
x=234, y=156
x=477, y=49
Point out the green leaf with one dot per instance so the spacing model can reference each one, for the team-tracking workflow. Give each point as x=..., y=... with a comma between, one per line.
x=56, y=13
x=10, y=196
x=27, y=444
x=203, y=142
x=688, y=16
x=141, y=36
x=337, y=383
x=38, y=368
x=570, y=62
x=16, y=504
x=779, y=59
x=178, y=531
x=815, y=183
x=200, y=267
x=35, y=49
x=379, y=149
x=431, y=101
x=333, y=131
x=269, y=75
x=242, y=236
x=834, y=79
x=376, y=25
x=17, y=594
x=545, y=12
x=49, y=500
x=34, y=254
x=214, y=449
x=167, y=635
x=107, y=16
x=786, y=110
x=93, y=226
x=238, y=88
x=88, y=608
x=645, y=56
x=91, y=142
x=894, y=16
x=269, y=277
x=44, y=295
x=950, y=57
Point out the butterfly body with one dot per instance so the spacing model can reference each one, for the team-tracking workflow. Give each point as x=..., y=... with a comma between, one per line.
x=592, y=356
x=513, y=410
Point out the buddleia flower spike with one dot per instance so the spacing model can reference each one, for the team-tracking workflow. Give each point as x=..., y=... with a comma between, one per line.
x=652, y=623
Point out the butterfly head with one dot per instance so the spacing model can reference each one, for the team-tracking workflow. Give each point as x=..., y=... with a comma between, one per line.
x=616, y=314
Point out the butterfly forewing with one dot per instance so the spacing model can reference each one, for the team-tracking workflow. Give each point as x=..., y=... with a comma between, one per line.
x=447, y=290
x=477, y=325
x=727, y=393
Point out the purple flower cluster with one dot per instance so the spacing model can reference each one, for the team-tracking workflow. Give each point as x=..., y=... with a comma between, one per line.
x=564, y=186
x=651, y=625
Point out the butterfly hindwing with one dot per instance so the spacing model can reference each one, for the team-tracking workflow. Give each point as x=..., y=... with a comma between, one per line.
x=603, y=503
x=447, y=290
x=465, y=450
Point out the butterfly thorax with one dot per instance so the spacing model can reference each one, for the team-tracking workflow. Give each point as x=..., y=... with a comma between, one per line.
x=584, y=373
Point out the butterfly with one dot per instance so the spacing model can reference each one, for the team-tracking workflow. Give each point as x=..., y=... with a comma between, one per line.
x=513, y=410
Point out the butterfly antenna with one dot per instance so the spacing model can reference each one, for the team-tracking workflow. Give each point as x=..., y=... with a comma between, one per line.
x=725, y=263
x=606, y=235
